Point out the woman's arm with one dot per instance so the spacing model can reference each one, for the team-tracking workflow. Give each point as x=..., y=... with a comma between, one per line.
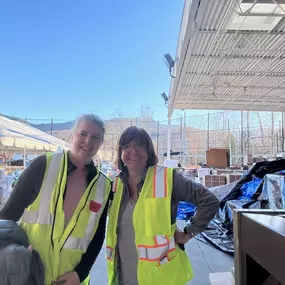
x=206, y=202
x=25, y=191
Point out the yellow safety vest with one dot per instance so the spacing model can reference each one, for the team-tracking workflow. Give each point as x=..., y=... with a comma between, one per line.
x=61, y=248
x=160, y=259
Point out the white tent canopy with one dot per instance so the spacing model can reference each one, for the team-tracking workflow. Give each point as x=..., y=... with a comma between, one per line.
x=17, y=135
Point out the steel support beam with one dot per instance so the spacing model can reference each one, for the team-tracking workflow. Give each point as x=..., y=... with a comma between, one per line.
x=248, y=107
x=248, y=87
x=229, y=57
x=262, y=15
x=244, y=32
x=250, y=50
x=206, y=99
x=239, y=73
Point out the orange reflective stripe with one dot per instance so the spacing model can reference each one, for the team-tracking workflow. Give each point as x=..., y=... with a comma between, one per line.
x=171, y=245
x=152, y=254
x=115, y=185
x=109, y=253
x=156, y=252
x=151, y=246
x=164, y=260
x=161, y=240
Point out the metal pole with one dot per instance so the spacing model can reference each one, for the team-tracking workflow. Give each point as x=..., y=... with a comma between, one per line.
x=51, y=125
x=230, y=142
x=184, y=138
x=181, y=137
x=208, y=133
x=272, y=133
x=242, y=137
x=235, y=144
x=282, y=132
x=247, y=132
x=224, y=123
x=168, y=137
x=277, y=143
x=157, y=137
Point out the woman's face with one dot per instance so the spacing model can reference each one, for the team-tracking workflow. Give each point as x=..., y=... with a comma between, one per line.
x=86, y=140
x=134, y=156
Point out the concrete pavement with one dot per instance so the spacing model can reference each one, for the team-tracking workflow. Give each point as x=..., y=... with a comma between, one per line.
x=204, y=258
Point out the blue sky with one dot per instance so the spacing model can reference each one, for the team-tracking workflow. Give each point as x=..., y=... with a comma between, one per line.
x=60, y=58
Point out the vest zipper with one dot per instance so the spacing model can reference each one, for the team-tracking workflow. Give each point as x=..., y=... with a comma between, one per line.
x=80, y=212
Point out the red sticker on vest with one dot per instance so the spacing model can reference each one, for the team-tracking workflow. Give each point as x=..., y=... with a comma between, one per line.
x=94, y=206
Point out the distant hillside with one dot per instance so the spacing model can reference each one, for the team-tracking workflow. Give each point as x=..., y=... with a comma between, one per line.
x=46, y=127
x=149, y=124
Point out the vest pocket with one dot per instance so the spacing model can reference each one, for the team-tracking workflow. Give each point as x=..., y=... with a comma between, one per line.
x=156, y=216
x=173, y=272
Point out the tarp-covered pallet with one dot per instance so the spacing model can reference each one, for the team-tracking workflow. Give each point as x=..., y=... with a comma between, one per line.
x=262, y=187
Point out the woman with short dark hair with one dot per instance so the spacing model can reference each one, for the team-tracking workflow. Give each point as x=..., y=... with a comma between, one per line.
x=144, y=246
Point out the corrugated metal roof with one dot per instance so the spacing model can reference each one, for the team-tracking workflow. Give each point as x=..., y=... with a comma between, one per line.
x=219, y=68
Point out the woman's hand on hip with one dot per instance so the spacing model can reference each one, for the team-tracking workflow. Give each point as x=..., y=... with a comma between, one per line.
x=181, y=237
x=69, y=278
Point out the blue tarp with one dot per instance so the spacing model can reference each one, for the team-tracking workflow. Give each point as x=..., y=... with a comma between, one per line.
x=185, y=211
x=249, y=188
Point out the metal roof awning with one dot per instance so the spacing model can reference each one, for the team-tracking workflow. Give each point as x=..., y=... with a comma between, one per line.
x=230, y=56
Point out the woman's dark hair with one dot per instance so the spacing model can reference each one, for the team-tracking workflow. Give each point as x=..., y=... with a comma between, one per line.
x=141, y=138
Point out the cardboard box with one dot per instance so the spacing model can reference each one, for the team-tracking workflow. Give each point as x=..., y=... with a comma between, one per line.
x=219, y=158
x=214, y=180
x=234, y=177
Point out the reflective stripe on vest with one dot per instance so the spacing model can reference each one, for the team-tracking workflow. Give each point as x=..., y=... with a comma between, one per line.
x=109, y=253
x=159, y=189
x=43, y=215
x=115, y=185
x=158, y=252
x=83, y=243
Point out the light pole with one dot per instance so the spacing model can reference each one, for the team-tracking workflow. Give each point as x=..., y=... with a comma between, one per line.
x=170, y=63
x=165, y=98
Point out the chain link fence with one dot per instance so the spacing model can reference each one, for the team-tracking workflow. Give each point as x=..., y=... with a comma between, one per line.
x=255, y=133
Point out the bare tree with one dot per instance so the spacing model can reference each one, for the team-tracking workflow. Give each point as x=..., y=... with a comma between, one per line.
x=261, y=129
x=146, y=114
x=114, y=128
x=118, y=114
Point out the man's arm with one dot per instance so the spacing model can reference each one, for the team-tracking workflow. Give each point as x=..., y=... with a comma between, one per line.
x=25, y=191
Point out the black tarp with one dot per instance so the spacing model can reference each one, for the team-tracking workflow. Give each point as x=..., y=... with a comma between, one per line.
x=270, y=194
